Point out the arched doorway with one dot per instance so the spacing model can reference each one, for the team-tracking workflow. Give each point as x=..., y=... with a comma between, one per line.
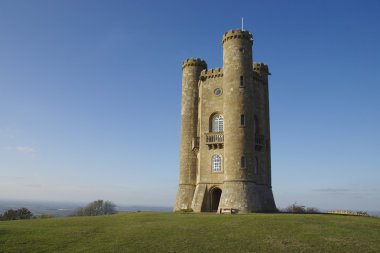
x=215, y=198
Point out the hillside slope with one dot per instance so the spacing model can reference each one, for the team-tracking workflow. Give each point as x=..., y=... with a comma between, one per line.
x=168, y=232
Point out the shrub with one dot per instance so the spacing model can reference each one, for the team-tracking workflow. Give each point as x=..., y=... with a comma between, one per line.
x=295, y=208
x=312, y=210
x=45, y=216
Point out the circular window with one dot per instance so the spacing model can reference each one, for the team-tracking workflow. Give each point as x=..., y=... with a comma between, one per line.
x=218, y=91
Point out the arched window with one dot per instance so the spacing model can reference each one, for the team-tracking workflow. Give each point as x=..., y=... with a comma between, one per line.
x=216, y=163
x=217, y=123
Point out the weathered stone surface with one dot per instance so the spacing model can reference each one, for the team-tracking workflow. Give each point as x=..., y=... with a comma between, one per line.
x=238, y=92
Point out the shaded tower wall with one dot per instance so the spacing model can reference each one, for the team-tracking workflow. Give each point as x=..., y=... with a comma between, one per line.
x=261, y=71
x=246, y=185
x=191, y=70
x=262, y=140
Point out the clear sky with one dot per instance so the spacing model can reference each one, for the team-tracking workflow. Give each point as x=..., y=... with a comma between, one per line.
x=90, y=96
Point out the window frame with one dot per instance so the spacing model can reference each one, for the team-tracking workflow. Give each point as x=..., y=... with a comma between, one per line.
x=217, y=123
x=242, y=120
x=216, y=163
x=241, y=81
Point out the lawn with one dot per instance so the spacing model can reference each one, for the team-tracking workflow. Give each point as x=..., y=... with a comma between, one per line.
x=175, y=232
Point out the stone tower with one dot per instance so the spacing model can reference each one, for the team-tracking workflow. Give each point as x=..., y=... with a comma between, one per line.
x=225, y=135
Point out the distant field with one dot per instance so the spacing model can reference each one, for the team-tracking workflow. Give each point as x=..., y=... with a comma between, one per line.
x=168, y=232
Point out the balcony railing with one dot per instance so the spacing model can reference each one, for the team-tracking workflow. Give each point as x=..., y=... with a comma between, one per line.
x=215, y=139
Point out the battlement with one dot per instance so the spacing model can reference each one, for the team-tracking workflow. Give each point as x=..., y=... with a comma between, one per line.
x=194, y=62
x=211, y=73
x=261, y=67
x=237, y=34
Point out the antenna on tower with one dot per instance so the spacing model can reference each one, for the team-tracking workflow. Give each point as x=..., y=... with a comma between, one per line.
x=242, y=23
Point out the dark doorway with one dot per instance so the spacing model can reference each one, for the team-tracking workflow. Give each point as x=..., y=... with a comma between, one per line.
x=215, y=198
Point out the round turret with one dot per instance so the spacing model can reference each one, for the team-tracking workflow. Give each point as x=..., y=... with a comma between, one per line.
x=238, y=104
x=191, y=71
x=238, y=108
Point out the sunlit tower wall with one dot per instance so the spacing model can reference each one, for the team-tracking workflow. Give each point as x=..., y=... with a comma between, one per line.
x=244, y=187
x=191, y=69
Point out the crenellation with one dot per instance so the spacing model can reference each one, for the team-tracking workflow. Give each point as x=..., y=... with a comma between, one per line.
x=194, y=62
x=211, y=73
x=237, y=34
x=261, y=68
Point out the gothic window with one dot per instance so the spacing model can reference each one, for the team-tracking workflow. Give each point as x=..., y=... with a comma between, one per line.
x=217, y=123
x=216, y=163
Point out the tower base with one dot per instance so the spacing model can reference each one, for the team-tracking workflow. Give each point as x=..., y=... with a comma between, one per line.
x=246, y=197
x=184, y=197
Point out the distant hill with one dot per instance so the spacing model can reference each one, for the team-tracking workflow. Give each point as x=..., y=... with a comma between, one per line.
x=61, y=209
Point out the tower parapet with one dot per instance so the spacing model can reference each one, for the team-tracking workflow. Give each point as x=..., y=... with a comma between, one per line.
x=261, y=68
x=194, y=62
x=211, y=73
x=237, y=34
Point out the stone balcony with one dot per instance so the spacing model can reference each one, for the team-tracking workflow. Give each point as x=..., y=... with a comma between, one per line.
x=215, y=140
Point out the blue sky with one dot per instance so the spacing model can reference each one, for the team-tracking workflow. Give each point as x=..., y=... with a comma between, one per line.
x=90, y=96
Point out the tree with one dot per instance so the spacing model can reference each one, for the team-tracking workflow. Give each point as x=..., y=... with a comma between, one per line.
x=19, y=214
x=109, y=207
x=10, y=215
x=24, y=213
x=95, y=208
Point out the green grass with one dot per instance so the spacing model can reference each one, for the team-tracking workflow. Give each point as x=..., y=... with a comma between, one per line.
x=175, y=232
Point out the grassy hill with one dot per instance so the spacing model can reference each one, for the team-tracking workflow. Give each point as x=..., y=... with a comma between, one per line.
x=168, y=232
